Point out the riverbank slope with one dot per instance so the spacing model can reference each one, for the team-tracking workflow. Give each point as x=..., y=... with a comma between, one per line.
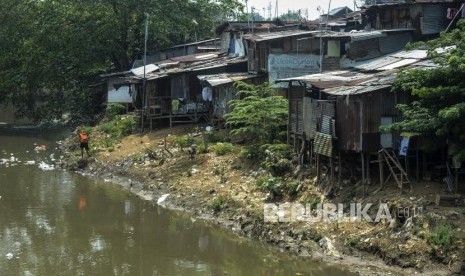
x=222, y=184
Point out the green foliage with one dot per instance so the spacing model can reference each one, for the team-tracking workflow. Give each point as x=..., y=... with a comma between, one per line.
x=277, y=167
x=273, y=185
x=351, y=242
x=217, y=203
x=53, y=50
x=223, y=148
x=438, y=109
x=291, y=16
x=119, y=126
x=183, y=141
x=202, y=147
x=114, y=109
x=276, y=158
x=257, y=115
x=442, y=237
x=279, y=151
x=290, y=188
x=313, y=202
x=214, y=137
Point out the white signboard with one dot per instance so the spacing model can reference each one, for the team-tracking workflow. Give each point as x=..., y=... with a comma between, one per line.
x=287, y=66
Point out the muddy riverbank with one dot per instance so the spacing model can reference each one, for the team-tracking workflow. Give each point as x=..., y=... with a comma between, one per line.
x=222, y=190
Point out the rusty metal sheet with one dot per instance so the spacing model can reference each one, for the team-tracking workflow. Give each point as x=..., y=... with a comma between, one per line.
x=323, y=144
x=348, y=126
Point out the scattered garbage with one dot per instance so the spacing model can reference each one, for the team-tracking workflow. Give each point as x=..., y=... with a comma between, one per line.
x=9, y=256
x=40, y=148
x=45, y=167
x=162, y=199
x=30, y=162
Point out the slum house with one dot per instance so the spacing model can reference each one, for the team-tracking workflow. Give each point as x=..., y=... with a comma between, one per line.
x=427, y=18
x=231, y=32
x=204, y=46
x=341, y=112
x=126, y=94
x=295, y=53
x=174, y=92
x=339, y=12
x=222, y=89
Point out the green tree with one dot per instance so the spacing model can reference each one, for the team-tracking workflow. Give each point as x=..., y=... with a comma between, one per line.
x=438, y=110
x=257, y=114
x=53, y=50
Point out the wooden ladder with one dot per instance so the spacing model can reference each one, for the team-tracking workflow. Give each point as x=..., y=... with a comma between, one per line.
x=399, y=174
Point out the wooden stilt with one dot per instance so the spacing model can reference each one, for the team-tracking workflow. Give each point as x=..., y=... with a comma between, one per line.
x=381, y=168
x=417, y=160
x=363, y=173
x=318, y=168
x=331, y=165
x=363, y=166
x=456, y=180
x=368, y=168
x=339, y=172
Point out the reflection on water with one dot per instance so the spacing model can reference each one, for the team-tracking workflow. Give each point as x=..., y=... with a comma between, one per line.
x=58, y=223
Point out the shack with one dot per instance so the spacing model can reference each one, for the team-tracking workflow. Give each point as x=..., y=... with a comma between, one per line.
x=222, y=89
x=340, y=113
x=426, y=17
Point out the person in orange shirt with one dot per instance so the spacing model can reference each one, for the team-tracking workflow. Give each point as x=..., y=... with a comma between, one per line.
x=83, y=143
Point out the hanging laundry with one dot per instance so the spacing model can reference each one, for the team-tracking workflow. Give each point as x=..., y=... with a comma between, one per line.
x=451, y=12
x=207, y=93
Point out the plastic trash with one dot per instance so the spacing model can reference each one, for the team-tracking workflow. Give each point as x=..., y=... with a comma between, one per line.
x=162, y=199
x=45, y=167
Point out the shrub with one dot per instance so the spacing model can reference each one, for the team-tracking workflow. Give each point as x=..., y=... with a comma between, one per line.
x=351, y=242
x=119, y=126
x=278, y=151
x=270, y=184
x=202, y=147
x=223, y=148
x=291, y=187
x=213, y=137
x=279, y=167
x=313, y=202
x=442, y=237
x=114, y=109
x=251, y=152
x=217, y=203
x=183, y=141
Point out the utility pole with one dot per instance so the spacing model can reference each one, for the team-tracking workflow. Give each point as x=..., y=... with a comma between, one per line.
x=144, y=88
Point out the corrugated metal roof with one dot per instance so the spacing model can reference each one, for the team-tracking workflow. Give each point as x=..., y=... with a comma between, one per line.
x=276, y=35
x=386, y=62
x=215, y=80
x=332, y=79
x=139, y=71
x=354, y=90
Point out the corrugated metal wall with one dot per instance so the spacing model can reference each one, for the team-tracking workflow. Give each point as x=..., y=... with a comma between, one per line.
x=313, y=113
x=371, y=111
x=331, y=64
x=221, y=96
x=296, y=116
x=434, y=19
x=366, y=49
x=394, y=42
x=348, y=128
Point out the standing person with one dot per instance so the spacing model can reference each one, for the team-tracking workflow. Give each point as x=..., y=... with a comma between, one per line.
x=83, y=142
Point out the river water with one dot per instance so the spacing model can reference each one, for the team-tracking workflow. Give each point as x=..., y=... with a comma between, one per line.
x=53, y=222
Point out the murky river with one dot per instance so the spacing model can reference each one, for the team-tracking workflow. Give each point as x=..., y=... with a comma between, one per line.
x=54, y=222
